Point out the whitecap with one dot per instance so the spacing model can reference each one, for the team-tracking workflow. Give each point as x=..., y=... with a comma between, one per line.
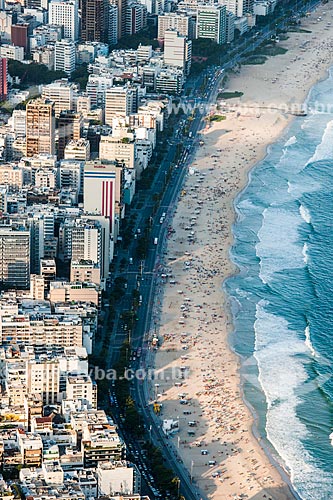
x=305, y=214
x=324, y=150
x=308, y=342
x=305, y=253
x=292, y=140
x=291, y=187
x=331, y=438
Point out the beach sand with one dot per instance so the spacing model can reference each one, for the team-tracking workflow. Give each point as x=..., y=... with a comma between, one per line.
x=194, y=325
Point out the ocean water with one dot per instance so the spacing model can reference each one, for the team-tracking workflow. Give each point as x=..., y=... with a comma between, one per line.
x=282, y=298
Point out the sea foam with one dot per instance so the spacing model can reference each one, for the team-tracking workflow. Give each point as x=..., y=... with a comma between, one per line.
x=308, y=342
x=305, y=214
x=292, y=140
x=305, y=253
x=279, y=355
x=324, y=150
x=278, y=247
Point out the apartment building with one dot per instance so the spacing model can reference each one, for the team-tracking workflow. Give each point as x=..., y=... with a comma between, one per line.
x=177, y=51
x=14, y=257
x=39, y=330
x=118, y=150
x=80, y=387
x=120, y=101
x=211, y=23
x=85, y=271
x=77, y=150
x=70, y=125
x=65, y=13
x=177, y=21
x=65, y=56
x=101, y=443
x=40, y=127
x=11, y=176
x=61, y=92
x=61, y=291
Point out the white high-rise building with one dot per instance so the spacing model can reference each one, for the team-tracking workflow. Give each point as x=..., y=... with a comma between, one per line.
x=115, y=149
x=12, y=52
x=65, y=56
x=100, y=188
x=175, y=21
x=120, y=101
x=211, y=23
x=43, y=378
x=264, y=7
x=154, y=6
x=61, y=92
x=70, y=175
x=237, y=7
x=17, y=122
x=86, y=242
x=78, y=150
x=118, y=477
x=65, y=13
x=177, y=51
x=81, y=387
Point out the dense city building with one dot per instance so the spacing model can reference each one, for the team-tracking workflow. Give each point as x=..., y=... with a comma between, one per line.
x=180, y=22
x=40, y=127
x=120, y=101
x=65, y=13
x=211, y=23
x=70, y=125
x=177, y=51
x=64, y=56
x=3, y=78
x=14, y=257
x=94, y=20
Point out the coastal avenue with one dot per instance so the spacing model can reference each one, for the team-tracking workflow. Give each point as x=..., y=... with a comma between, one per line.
x=147, y=290
x=147, y=276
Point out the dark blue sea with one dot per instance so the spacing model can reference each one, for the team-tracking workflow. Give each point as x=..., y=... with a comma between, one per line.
x=282, y=298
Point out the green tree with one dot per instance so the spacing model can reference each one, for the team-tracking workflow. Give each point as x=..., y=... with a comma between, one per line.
x=33, y=73
x=80, y=76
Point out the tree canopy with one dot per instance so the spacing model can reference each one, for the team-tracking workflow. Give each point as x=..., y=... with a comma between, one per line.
x=33, y=73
